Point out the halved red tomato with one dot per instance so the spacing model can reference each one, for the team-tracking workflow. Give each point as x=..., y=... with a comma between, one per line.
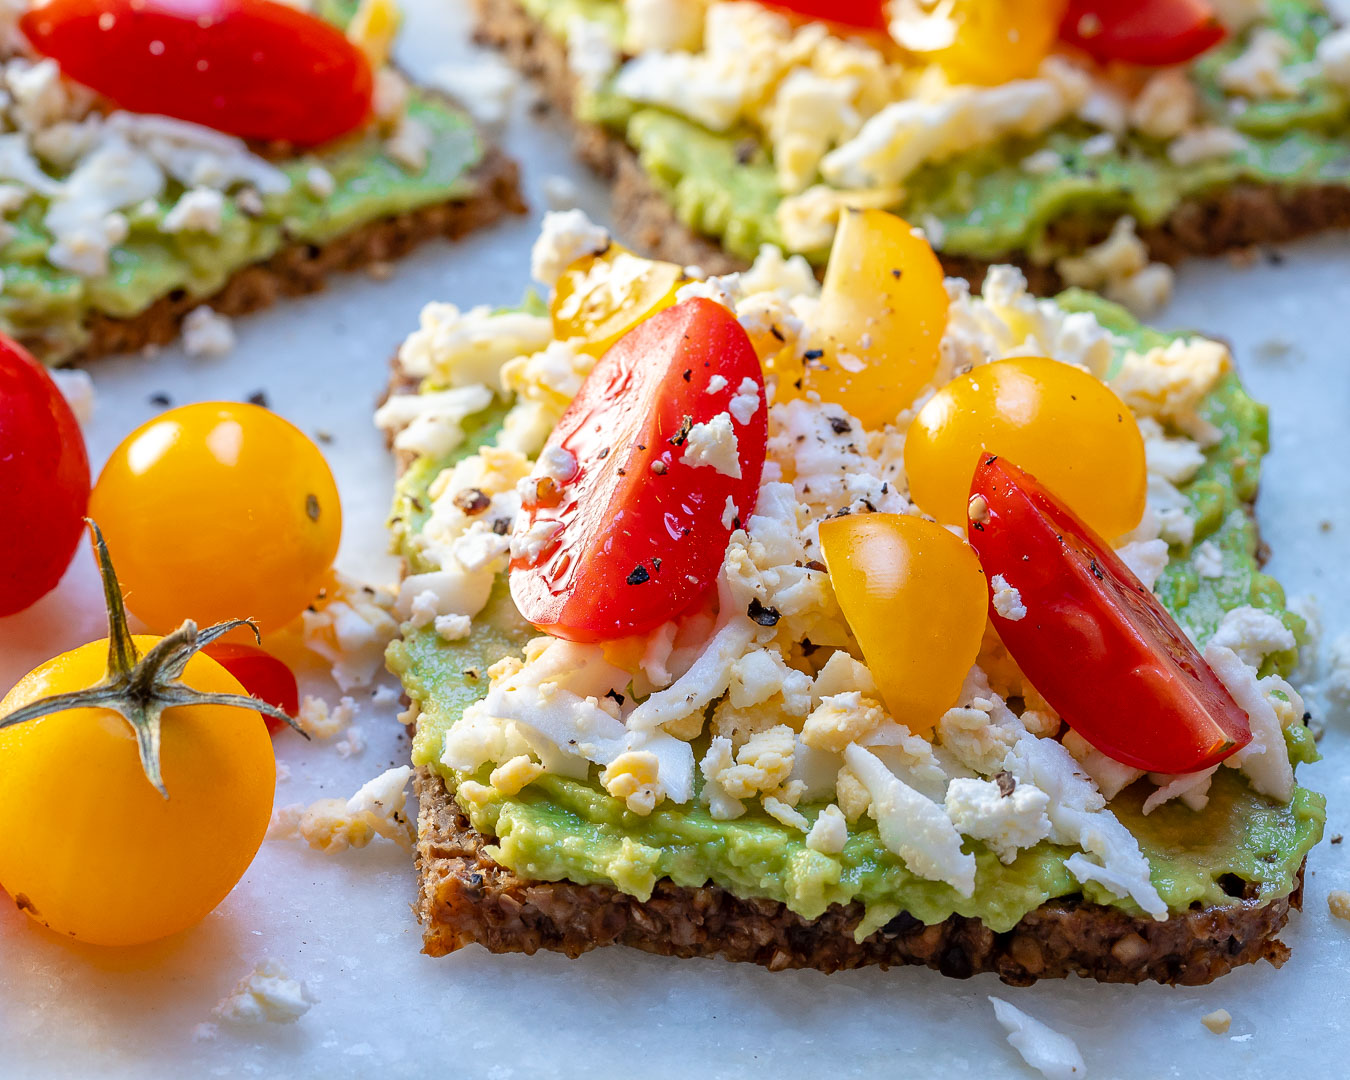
x=261, y=675
x=1147, y=32
x=858, y=14
x=656, y=458
x=252, y=68
x=1094, y=641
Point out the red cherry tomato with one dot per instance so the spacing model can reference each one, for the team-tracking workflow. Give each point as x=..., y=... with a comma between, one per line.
x=261, y=675
x=1098, y=645
x=1148, y=32
x=638, y=529
x=44, y=480
x=251, y=68
x=858, y=14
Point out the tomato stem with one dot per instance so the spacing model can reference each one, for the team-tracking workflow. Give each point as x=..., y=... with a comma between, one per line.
x=140, y=688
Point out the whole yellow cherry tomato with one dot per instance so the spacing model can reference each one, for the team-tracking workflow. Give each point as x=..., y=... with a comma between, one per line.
x=601, y=297
x=217, y=510
x=915, y=598
x=88, y=846
x=883, y=310
x=986, y=42
x=1058, y=422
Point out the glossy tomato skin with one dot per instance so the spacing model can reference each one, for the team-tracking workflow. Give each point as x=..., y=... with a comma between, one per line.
x=44, y=480
x=1095, y=642
x=108, y=860
x=261, y=675
x=855, y=14
x=640, y=533
x=251, y=68
x=1151, y=33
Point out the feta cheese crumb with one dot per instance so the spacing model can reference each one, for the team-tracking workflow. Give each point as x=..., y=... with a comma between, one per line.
x=352, y=744
x=729, y=514
x=1338, y=903
x=267, y=994
x=197, y=210
x=564, y=237
x=1053, y=1055
x=1007, y=600
x=745, y=403
x=1205, y=144
x=829, y=832
x=207, y=333
x=714, y=444
x=1217, y=1021
x=483, y=86
x=453, y=627
x=781, y=812
x=320, y=181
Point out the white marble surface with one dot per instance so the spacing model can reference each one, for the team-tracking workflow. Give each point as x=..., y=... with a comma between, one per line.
x=343, y=923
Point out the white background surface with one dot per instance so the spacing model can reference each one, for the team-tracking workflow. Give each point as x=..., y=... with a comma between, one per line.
x=343, y=923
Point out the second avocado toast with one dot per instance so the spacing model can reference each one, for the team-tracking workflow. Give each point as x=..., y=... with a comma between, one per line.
x=734, y=780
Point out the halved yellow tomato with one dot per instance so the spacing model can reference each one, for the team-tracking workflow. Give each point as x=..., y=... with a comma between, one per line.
x=601, y=297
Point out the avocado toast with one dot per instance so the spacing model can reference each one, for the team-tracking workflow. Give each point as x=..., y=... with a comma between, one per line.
x=731, y=779
x=118, y=222
x=1244, y=145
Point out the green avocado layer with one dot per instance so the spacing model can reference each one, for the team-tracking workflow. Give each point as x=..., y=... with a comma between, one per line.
x=559, y=828
x=39, y=300
x=988, y=206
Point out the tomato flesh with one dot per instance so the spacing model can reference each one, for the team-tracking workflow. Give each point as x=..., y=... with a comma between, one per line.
x=638, y=532
x=251, y=68
x=1094, y=641
x=261, y=675
x=857, y=14
x=1153, y=33
x=44, y=480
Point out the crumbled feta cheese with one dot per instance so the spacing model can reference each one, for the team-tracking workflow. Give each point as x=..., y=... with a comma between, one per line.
x=1052, y=1054
x=1259, y=71
x=1006, y=820
x=1253, y=634
x=1208, y=143
x=513, y=775
x=1146, y=559
x=197, y=210
x=352, y=744
x=745, y=402
x=1265, y=759
x=431, y=424
x=267, y=994
x=453, y=627
x=560, y=192
x=469, y=348
x=410, y=143
x=840, y=719
x=206, y=332
x=1217, y=1021
x=1338, y=903
x=1119, y=267
x=484, y=85
x=1208, y=560
x=1007, y=600
x=1169, y=382
x=829, y=832
x=784, y=814
x=714, y=444
x=319, y=721
x=1044, y=162
x=320, y=181
x=591, y=55
x=565, y=237
x=1164, y=108
x=350, y=629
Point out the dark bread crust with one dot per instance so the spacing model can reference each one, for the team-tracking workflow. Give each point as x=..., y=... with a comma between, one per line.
x=1227, y=219
x=301, y=268
x=465, y=898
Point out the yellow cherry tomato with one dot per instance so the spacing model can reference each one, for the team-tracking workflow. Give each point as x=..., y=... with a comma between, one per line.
x=88, y=847
x=601, y=297
x=915, y=598
x=986, y=42
x=883, y=310
x=1056, y=421
x=219, y=510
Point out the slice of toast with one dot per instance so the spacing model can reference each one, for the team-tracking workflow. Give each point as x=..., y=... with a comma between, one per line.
x=466, y=898
x=1230, y=218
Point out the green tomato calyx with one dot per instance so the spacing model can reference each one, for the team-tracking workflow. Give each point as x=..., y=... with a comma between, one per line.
x=140, y=688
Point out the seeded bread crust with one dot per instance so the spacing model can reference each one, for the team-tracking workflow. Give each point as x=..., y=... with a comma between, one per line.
x=301, y=268
x=1228, y=219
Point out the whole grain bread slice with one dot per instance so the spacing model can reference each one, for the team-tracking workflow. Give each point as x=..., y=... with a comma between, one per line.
x=1230, y=218
x=302, y=267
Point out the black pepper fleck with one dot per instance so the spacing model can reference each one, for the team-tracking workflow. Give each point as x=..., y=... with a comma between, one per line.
x=639, y=576
x=765, y=616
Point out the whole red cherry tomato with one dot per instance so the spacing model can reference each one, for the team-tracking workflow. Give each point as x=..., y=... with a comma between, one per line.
x=1148, y=32
x=1093, y=640
x=44, y=480
x=858, y=14
x=634, y=527
x=261, y=675
x=251, y=68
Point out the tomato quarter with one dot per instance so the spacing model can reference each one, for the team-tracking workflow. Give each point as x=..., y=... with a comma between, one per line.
x=857, y=14
x=251, y=68
x=1148, y=32
x=44, y=480
x=1094, y=641
x=261, y=675
x=633, y=529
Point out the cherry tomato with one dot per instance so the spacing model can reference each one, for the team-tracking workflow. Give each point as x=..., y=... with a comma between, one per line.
x=215, y=510
x=855, y=14
x=108, y=859
x=251, y=68
x=1094, y=642
x=1153, y=33
x=261, y=675
x=1058, y=420
x=44, y=480
x=883, y=310
x=636, y=533
x=915, y=598
x=601, y=297
x=986, y=42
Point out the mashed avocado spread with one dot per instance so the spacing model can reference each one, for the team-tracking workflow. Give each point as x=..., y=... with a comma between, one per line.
x=559, y=828
x=986, y=205
x=38, y=299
